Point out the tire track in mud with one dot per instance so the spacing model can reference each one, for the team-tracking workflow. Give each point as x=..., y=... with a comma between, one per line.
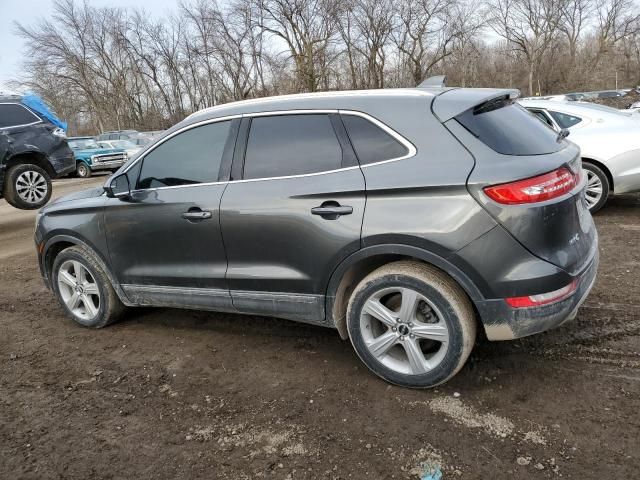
x=587, y=337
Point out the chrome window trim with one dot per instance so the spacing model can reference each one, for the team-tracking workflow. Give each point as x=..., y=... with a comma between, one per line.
x=412, y=151
x=39, y=120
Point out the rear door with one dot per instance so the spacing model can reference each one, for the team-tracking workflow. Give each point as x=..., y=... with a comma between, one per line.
x=291, y=213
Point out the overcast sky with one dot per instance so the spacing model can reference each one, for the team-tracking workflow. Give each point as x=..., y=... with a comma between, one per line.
x=28, y=11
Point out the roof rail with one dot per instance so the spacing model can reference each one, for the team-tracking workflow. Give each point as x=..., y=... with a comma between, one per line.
x=435, y=81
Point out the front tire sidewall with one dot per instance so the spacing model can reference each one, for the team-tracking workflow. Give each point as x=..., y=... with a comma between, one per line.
x=82, y=170
x=101, y=319
x=449, y=364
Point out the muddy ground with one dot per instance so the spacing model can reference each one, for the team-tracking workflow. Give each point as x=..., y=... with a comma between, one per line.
x=181, y=394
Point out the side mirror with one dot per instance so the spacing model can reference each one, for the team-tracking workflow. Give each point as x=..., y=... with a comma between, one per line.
x=118, y=186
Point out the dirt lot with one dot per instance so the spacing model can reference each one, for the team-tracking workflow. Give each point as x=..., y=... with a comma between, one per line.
x=179, y=394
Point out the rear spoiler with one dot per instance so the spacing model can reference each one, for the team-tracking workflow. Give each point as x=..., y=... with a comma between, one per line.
x=452, y=103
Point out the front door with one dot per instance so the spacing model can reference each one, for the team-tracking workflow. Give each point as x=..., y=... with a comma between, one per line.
x=293, y=213
x=164, y=241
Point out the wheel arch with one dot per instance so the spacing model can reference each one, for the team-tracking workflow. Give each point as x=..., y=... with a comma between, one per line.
x=602, y=167
x=35, y=157
x=358, y=265
x=56, y=244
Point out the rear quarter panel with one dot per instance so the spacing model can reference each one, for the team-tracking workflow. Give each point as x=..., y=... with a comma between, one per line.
x=423, y=200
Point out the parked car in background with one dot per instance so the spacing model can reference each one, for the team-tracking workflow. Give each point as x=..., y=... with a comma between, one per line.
x=475, y=218
x=33, y=150
x=609, y=142
x=90, y=157
x=118, y=135
x=130, y=147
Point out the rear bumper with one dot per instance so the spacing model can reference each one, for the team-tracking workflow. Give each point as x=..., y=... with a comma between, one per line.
x=502, y=322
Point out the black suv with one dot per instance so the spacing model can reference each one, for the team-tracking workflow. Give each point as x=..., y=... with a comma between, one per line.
x=406, y=219
x=32, y=151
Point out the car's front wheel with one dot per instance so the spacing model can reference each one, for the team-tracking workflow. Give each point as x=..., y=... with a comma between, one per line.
x=82, y=170
x=27, y=187
x=411, y=324
x=83, y=288
x=598, y=187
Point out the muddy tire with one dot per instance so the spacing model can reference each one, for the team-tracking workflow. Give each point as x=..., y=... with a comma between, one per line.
x=82, y=170
x=83, y=288
x=598, y=187
x=27, y=187
x=411, y=324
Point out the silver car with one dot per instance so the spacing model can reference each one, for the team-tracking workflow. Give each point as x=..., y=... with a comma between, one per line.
x=608, y=139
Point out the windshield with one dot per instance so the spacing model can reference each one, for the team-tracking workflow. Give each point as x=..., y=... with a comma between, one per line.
x=123, y=144
x=83, y=144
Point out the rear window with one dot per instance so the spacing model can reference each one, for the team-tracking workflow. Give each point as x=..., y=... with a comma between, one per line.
x=508, y=128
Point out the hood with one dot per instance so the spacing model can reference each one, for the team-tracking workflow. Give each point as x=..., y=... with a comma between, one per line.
x=82, y=194
x=96, y=151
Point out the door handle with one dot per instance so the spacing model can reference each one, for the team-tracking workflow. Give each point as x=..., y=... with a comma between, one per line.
x=195, y=214
x=331, y=210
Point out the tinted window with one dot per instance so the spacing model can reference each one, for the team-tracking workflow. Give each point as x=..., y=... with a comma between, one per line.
x=12, y=114
x=564, y=119
x=190, y=157
x=291, y=145
x=371, y=143
x=508, y=128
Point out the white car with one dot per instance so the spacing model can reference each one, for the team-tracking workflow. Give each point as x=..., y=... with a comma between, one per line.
x=130, y=147
x=609, y=141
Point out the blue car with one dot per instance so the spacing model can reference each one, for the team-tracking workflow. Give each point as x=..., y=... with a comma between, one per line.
x=91, y=157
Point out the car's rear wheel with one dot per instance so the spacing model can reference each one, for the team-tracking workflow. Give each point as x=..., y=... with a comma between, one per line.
x=411, y=324
x=598, y=187
x=82, y=170
x=27, y=187
x=83, y=288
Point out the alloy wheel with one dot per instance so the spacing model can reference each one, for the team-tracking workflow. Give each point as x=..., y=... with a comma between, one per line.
x=31, y=186
x=79, y=290
x=404, y=331
x=593, y=193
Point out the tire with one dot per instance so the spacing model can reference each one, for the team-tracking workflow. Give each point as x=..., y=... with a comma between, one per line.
x=82, y=170
x=598, y=187
x=105, y=308
x=441, y=309
x=27, y=187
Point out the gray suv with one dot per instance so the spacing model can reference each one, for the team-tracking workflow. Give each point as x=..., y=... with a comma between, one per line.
x=406, y=219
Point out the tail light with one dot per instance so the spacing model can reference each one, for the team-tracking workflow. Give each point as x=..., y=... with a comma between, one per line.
x=537, y=189
x=543, y=298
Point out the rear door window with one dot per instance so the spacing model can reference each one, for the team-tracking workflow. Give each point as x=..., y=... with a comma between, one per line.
x=285, y=145
x=371, y=143
x=564, y=119
x=510, y=129
x=13, y=114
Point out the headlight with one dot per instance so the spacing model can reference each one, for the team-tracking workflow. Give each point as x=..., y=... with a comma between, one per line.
x=58, y=132
x=39, y=215
x=93, y=159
